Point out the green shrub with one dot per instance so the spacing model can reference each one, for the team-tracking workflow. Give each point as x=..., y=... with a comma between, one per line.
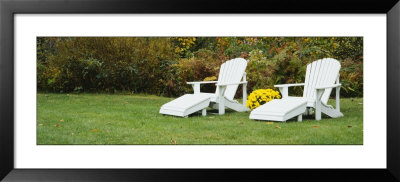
x=203, y=64
x=108, y=64
x=163, y=65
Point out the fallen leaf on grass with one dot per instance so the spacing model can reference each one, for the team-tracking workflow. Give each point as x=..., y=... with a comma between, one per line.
x=72, y=133
x=57, y=125
x=211, y=117
x=95, y=130
x=126, y=102
x=62, y=120
x=360, y=103
x=349, y=126
x=241, y=123
x=173, y=141
x=315, y=126
x=132, y=128
x=40, y=124
x=270, y=122
x=278, y=127
x=108, y=122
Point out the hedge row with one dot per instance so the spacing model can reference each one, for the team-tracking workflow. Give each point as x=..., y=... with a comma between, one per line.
x=163, y=65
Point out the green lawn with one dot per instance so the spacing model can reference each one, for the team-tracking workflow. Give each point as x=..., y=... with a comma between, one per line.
x=134, y=119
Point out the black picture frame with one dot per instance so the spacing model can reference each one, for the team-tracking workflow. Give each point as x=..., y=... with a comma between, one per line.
x=8, y=8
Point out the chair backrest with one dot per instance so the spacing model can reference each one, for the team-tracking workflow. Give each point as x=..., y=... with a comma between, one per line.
x=321, y=73
x=231, y=71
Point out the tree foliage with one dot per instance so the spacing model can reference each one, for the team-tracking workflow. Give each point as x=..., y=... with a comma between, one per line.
x=163, y=65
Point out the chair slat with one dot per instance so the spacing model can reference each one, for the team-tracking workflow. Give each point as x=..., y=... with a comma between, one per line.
x=318, y=73
x=220, y=76
x=325, y=79
x=307, y=80
x=323, y=72
x=311, y=81
x=315, y=79
x=233, y=77
x=232, y=71
x=331, y=78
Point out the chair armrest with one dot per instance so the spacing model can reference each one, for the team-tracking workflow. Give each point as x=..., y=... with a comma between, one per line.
x=196, y=85
x=201, y=82
x=234, y=83
x=284, y=88
x=321, y=89
x=289, y=85
x=328, y=86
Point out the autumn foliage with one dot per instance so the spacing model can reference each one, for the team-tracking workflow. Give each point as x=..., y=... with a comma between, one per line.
x=163, y=65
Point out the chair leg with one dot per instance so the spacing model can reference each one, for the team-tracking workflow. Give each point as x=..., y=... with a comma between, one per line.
x=318, y=104
x=338, y=99
x=221, y=100
x=204, y=112
x=244, y=94
x=300, y=117
x=284, y=92
x=308, y=111
x=221, y=106
x=318, y=110
x=196, y=88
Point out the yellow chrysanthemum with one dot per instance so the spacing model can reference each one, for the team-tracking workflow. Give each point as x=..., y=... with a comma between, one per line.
x=260, y=97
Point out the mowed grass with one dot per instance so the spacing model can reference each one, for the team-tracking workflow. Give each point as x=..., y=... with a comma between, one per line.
x=134, y=119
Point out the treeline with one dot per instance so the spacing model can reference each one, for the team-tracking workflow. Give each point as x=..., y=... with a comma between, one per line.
x=163, y=65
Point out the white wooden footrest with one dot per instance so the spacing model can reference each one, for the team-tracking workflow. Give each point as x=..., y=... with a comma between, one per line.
x=280, y=109
x=186, y=104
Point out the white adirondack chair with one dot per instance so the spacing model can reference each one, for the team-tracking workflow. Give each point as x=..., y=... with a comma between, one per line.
x=321, y=76
x=231, y=75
